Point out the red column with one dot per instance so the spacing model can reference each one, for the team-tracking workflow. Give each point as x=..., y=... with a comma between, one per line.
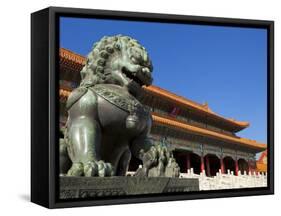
x=208, y=166
x=249, y=167
x=202, y=163
x=222, y=166
x=188, y=161
x=236, y=167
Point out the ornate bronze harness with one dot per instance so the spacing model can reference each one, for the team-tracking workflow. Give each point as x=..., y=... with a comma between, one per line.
x=127, y=103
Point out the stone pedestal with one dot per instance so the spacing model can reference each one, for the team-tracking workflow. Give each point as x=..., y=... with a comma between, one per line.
x=83, y=187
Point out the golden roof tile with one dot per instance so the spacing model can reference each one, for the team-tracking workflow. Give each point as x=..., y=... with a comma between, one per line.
x=193, y=105
x=205, y=132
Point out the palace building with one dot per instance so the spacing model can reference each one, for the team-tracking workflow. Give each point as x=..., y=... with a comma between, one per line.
x=198, y=137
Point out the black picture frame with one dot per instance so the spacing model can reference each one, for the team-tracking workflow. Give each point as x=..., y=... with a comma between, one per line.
x=44, y=104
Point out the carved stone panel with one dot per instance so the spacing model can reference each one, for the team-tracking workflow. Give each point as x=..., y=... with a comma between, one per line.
x=84, y=187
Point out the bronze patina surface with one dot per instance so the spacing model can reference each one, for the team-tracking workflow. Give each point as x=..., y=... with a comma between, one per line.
x=106, y=122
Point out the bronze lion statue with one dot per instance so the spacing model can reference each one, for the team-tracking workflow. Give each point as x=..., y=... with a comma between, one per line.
x=106, y=122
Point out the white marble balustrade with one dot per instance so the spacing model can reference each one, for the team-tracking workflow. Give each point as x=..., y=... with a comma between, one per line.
x=228, y=180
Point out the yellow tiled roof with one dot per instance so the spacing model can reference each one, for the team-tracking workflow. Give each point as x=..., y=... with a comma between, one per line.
x=205, y=132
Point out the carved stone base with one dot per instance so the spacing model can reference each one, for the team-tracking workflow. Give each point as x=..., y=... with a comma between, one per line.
x=83, y=187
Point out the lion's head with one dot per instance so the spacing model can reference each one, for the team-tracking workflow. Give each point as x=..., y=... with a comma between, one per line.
x=119, y=60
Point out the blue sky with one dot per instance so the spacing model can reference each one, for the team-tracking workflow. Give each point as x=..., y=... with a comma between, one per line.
x=224, y=66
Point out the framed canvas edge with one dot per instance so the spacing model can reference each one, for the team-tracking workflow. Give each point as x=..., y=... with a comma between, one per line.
x=39, y=108
x=54, y=12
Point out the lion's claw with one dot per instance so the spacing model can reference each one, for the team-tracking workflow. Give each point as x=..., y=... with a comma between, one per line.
x=89, y=169
x=75, y=170
x=105, y=169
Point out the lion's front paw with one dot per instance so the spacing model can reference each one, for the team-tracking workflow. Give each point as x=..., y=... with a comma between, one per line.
x=105, y=169
x=75, y=170
x=91, y=169
x=99, y=168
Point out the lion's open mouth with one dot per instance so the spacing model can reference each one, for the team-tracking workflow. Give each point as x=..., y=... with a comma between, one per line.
x=130, y=76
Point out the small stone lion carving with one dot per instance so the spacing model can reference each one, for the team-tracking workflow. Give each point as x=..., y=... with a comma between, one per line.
x=106, y=122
